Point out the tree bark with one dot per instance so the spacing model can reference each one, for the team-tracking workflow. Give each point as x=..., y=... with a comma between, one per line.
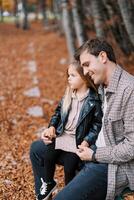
x=58, y=15
x=117, y=27
x=127, y=12
x=25, y=21
x=44, y=14
x=17, y=24
x=78, y=25
x=1, y=13
x=97, y=12
x=67, y=22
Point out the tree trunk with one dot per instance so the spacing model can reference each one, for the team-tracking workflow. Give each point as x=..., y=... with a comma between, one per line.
x=97, y=12
x=66, y=17
x=25, y=21
x=78, y=25
x=58, y=15
x=1, y=14
x=117, y=26
x=44, y=14
x=17, y=24
x=127, y=12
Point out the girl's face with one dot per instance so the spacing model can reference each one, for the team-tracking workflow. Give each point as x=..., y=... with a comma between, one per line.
x=74, y=79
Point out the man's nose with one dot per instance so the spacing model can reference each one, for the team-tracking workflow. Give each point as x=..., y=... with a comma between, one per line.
x=85, y=71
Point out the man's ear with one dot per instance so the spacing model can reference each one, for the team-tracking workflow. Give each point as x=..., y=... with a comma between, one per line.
x=103, y=57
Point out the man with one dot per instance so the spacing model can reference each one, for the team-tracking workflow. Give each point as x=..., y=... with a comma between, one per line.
x=111, y=167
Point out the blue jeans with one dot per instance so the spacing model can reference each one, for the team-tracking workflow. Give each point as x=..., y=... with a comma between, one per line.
x=89, y=184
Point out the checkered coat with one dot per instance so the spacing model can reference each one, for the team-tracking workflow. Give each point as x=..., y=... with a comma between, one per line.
x=119, y=133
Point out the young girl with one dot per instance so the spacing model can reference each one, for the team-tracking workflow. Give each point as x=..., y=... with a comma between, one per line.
x=77, y=120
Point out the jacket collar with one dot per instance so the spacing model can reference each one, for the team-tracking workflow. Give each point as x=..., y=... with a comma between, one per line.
x=74, y=95
x=90, y=95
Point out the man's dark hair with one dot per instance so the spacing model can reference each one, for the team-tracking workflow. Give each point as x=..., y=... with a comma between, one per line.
x=94, y=47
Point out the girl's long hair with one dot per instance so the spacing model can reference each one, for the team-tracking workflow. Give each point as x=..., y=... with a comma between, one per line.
x=68, y=92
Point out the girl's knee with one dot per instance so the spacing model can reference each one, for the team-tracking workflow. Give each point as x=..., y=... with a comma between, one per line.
x=36, y=147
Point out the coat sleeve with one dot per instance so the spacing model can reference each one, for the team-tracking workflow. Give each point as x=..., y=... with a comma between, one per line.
x=96, y=124
x=124, y=151
x=55, y=119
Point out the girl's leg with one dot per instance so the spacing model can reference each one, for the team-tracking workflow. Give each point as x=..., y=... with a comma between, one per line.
x=43, y=158
x=70, y=162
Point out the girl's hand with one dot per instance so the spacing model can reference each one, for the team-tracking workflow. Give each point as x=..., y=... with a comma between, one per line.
x=51, y=132
x=84, y=144
x=48, y=134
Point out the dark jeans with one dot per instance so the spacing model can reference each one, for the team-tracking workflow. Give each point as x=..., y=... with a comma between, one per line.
x=44, y=157
x=89, y=184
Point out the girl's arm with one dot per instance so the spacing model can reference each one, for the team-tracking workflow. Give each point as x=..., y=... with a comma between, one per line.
x=96, y=125
x=55, y=119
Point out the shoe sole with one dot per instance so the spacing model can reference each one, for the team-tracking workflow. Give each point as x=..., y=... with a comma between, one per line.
x=50, y=193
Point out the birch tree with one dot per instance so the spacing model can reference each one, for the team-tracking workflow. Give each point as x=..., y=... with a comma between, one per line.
x=67, y=24
x=25, y=21
x=78, y=24
x=117, y=26
x=127, y=12
x=44, y=14
x=97, y=12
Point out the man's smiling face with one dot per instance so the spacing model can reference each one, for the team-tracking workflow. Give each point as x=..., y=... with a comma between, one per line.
x=94, y=66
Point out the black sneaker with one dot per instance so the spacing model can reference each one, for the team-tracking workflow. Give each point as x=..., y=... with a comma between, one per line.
x=46, y=190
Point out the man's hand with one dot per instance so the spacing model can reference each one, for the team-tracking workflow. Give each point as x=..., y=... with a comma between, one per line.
x=85, y=153
x=48, y=134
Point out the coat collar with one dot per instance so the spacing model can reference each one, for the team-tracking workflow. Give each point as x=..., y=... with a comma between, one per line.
x=90, y=95
x=74, y=95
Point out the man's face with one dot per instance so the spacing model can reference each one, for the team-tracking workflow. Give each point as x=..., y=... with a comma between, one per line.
x=93, y=66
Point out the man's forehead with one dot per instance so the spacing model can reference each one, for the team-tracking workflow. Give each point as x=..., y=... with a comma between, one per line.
x=84, y=57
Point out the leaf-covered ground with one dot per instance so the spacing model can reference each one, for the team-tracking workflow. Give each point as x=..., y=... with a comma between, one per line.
x=34, y=61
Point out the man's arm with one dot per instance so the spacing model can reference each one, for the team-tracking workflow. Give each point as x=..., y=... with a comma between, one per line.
x=117, y=154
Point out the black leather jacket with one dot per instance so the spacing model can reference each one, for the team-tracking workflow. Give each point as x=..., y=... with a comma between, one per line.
x=89, y=122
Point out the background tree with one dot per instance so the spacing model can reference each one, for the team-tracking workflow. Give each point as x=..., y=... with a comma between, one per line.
x=116, y=25
x=127, y=12
x=25, y=25
x=78, y=23
x=98, y=17
x=68, y=29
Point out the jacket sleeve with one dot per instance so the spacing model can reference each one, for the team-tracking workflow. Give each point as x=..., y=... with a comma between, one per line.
x=96, y=124
x=124, y=151
x=55, y=119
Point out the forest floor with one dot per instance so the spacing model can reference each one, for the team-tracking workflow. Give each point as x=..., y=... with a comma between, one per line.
x=32, y=80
